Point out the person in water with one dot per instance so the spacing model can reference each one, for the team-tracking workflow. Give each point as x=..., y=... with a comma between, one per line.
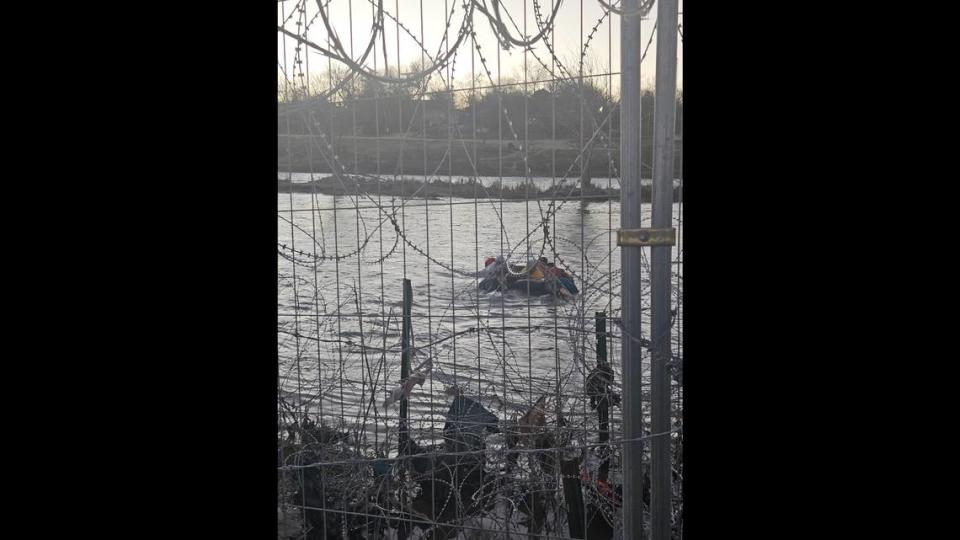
x=537, y=272
x=495, y=274
x=562, y=276
x=540, y=269
x=494, y=266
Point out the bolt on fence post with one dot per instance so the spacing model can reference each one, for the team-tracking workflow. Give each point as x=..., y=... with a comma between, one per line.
x=630, y=265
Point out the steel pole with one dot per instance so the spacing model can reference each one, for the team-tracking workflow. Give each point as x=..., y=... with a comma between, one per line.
x=663, y=139
x=630, y=257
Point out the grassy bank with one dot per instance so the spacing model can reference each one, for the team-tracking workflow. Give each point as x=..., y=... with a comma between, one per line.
x=393, y=155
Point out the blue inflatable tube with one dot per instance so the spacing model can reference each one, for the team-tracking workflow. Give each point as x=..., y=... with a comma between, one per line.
x=532, y=287
x=568, y=285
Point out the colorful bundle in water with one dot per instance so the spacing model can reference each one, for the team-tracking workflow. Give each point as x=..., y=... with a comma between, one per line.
x=538, y=278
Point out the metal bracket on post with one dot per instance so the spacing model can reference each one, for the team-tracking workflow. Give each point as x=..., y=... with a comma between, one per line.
x=646, y=237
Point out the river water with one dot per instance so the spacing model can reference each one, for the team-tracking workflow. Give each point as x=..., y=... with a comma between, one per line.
x=339, y=306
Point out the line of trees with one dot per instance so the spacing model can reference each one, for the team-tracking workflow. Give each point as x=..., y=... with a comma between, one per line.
x=563, y=109
x=567, y=109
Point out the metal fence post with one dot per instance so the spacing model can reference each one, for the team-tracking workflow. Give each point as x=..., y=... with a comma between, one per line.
x=603, y=406
x=404, y=438
x=665, y=107
x=630, y=265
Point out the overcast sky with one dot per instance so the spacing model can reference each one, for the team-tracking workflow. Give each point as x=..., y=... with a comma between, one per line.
x=575, y=21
